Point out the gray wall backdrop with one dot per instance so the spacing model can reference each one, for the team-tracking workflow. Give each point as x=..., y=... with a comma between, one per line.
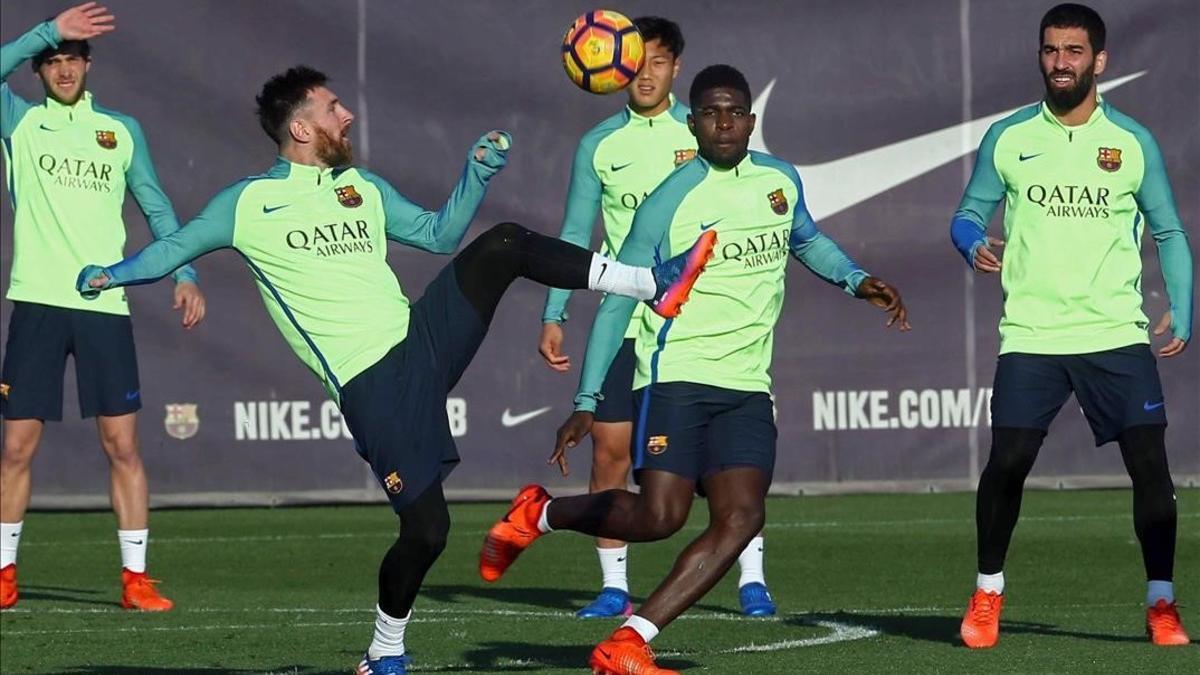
x=859, y=92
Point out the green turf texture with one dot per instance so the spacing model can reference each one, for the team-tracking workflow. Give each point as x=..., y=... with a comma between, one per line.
x=293, y=591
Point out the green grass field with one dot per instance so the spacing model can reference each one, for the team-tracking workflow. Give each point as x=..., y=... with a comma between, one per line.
x=864, y=583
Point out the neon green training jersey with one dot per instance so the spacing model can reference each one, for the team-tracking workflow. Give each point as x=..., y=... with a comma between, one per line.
x=67, y=169
x=1077, y=200
x=617, y=165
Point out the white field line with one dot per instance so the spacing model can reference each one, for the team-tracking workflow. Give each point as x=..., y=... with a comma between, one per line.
x=382, y=533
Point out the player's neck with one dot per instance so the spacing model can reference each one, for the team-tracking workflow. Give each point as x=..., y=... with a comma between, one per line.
x=1078, y=115
x=654, y=111
x=302, y=155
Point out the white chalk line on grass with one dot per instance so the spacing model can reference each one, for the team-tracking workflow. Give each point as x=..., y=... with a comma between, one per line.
x=385, y=533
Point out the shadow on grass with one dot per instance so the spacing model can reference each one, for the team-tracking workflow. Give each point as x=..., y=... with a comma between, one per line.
x=559, y=599
x=522, y=657
x=150, y=670
x=944, y=629
x=65, y=594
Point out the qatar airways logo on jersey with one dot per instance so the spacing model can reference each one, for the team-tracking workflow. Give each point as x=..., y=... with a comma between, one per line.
x=1070, y=201
x=758, y=250
x=333, y=239
x=78, y=174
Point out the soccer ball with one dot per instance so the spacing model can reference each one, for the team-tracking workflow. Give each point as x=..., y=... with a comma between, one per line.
x=603, y=51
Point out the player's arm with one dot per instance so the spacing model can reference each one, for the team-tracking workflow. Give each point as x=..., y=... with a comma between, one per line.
x=207, y=232
x=1156, y=200
x=442, y=231
x=985, y=191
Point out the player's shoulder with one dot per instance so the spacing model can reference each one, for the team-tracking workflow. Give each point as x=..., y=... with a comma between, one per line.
x=770, y=162
x=606, y=128
x=1130, y=125
x=1011, y=122
x=679, y=183
x=124, y=119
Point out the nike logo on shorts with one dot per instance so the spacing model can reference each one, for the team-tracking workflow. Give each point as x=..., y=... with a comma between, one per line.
x=1148, y=406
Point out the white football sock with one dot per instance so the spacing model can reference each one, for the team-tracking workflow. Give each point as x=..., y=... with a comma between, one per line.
x=751, y=563
x=389, y=635
x=1159, y=590
x=643, y=627
x=133, y=549
x=612, y=567
x=544, y=519
x=10, y=538
x=991, y=583
x=609, y=276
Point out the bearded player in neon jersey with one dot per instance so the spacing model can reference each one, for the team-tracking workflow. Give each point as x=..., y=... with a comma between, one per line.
x=313, y=230
x=1081, y=182
x=706, y=421
x=617, y=165
x=69, y=162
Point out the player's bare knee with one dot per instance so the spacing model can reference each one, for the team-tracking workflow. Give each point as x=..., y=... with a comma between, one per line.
x=664, y=522
x=122, y=450
x=17, y=453
x=741, y=521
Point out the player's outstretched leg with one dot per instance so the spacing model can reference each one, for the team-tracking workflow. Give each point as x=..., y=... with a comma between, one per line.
x=508, y=251
x=424, y=525
x=657, y=512
x=1154, y=517
x=997, y=507
x=737, y=510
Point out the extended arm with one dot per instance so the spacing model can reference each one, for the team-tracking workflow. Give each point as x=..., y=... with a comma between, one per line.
x=579, y=219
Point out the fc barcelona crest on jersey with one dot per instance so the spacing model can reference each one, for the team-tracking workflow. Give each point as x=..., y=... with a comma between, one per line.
x=181, y=421
x=1109, y=159
x=106, y=139
x=778, y=202
x=684, y=156
x=393, y=483
x=348, y=196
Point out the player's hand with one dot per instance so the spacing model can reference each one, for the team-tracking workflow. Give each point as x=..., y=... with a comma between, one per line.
x=1176, y=346
x=91, y=280
x=491, y=150
x=550, y=347
x=189, y=298
x=84, y=22
x=882, y=294
x=578, y=425
x=985, y=261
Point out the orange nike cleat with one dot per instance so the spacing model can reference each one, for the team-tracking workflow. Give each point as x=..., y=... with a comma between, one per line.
x=1164, y=626
x=981, y=626
x=141, y=594
x=513, y=533
x=625, y=653
x=8, y=586
x=674, y=278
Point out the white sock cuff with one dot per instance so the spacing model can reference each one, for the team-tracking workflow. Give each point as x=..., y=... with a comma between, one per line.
x=647, y=630
x=613, y=566
x=133, y=534
x=10, y=539
x=544, y=519
x=991, y=583
x=1159, y=590
x=133, y=549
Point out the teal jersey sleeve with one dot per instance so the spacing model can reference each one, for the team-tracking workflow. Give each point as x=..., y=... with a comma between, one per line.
x=984, y=192
x=440, y=231
x=1157, y=202
x=212, y=229
x=12, y=55
x=816, y=251
x=579, y=217
x=142, y=181
x=648, y=243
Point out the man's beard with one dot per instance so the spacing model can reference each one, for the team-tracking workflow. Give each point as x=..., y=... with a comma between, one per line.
x=334, y=151
x=1063, y=100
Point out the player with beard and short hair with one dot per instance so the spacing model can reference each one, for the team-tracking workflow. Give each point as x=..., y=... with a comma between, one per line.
x=617, y=164
x=313, y=230
x=706, y=420
x=69, y=162
x=1081, y=182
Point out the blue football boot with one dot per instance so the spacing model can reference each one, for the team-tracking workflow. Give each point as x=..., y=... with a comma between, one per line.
x=384, y=665
x=756, y=601
x=611, y=602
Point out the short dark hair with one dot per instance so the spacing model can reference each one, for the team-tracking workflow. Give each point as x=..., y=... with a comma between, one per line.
x=282, y=95
x=665, y=31
x=79, y=48
x=712, y=77
x=1071, y=15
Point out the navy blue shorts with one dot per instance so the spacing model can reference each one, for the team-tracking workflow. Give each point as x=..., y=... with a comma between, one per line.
x=40, y=337
x=396, y=408
x=696, y=430
x=616, y=396
x=1117, y=389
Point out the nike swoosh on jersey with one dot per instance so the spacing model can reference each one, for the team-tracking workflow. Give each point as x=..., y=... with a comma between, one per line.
x=270, y=209
x=43, y=127
x=614, y=168
x=706, y=226
x=839, y=184
x=1025, y=158
x=510, y=420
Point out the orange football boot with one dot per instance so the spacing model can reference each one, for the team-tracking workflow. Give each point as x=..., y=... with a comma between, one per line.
x=981, y=626
x=8, y=586
x=141, y=594
x=625, y=653
x=513, y=533
x=1164, y=626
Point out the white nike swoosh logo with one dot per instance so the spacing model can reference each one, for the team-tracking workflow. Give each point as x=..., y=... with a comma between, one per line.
x=510, y=420
x=839, y=184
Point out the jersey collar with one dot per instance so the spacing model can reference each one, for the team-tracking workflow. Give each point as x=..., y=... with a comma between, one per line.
x=1097, y=115
x=672, y=112
x=737, y=171
x=84, y=104
x=308, y=173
